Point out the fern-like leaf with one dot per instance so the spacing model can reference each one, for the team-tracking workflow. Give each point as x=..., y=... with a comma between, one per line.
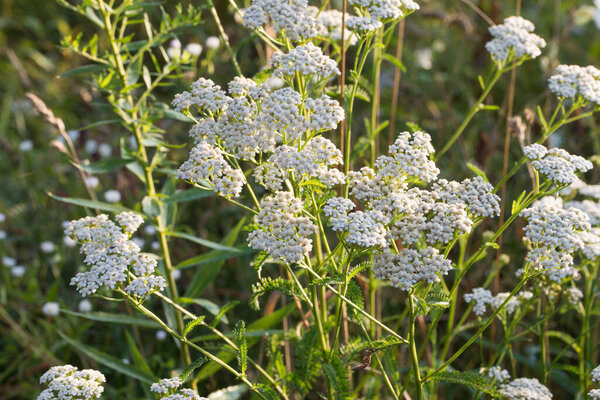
x=338, y=378
x=267, y=285
x=188, y=370
x=471, y=379
x=239, y=335
x=228, y=306
x=191, y=325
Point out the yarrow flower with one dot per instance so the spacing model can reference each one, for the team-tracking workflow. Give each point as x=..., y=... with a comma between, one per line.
x=556, y=164
x=280, y=231
x=113, y=259
x=385, y=10
x=594, y=394
x=291, y=18
x=596, y=374
x=514, y=38
x=574, y=82
x=167, y=389
x=66, y=382
x=497, y=373
x=481, y=298
x=307, y=60
x=525, y=389
x=206, y=164
x=411, y=266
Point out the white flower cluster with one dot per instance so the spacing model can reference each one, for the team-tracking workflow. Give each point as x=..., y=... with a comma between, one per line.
x=206, y=164
x=364, y=229
x=291, y=18
x=476, y=194
x=591, y=243
x=281, y=232
x=363, y=24
x=66, y=382
x=113, y=259
x=497, y=373
x=591, y=208
x=556, y=164
x=594, y=394
x=596, y=374
x=575, y=82
x=385, y=10
x=410, y=156
x=554, y=233
x=514, y=38
x=307, y=60
x=330, y=24
x=252, y=120
x=168, y=390
x=410, y=266
x=204, y=94
x=574, y=295
x=311, y=162
x=525, y=389
x=481, y=298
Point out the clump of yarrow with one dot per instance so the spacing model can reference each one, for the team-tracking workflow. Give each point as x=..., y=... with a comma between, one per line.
x=514, y=40
x=66, y=382
x=525, y=389
x=557, y=165
x=481, y=298
x=577, y=84
x=115, y=261
x=168, y=389
x=554, y=234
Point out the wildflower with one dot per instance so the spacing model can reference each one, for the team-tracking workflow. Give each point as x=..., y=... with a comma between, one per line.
x=308, y=60
x=363, y=24
x=18, y=271
x=112, y=196
x=68, y=383
x=47, y=247
x=514, y=38
x=595, y=393
x=574, y=295
x=574, y=82
x=161, y=335
x=9, y=261
x=207, y=165
x=194, y=49
x=291, y=18
x=596, y=374
x=113, y=259
x=525, y=389
x=280, y=231
x=51, y=309
x=591, y=243
x=385, y=10
x=589, y=207
x=410, y=266
x=329, y=24
x=168, y=390
x=213, y=42
x=556, y=164
x=475, y=194
x=84, y=306
x=498, y=374
x=481, y=297
x=155, y=245
x=2, y=217
x=149, y=230
x=25, y=145
x=204, y=94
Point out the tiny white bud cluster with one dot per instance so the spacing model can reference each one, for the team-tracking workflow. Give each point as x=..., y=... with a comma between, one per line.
x=204, y=94
x=330, y=24
x=556, y=164
x=281, y=232
x=525, y=389
x=113, y=259
x=66, y=382
x=411, y=266
x=476, y=194
x=363, y=24
x=596, y=374
x=167, y=389
x=514, y=38
x=591, y=243
x=206, y=164
x=574, y=295
x=498, y=374
x=594, y=394
x=307, y=60
x=575, y=82
x=385, y=10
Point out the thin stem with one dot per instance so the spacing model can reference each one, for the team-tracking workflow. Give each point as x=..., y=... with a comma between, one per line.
x=224, y=37
x=413, y=347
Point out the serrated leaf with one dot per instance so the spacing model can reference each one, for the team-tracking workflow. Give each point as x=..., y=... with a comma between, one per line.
x=240, y=341
x=192, y=324
x=471, y=379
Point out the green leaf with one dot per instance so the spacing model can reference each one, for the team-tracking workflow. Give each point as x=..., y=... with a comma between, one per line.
x=91, y=204
x=146, y=75
x=108, y=165
x=84, y=69
x=136, y=356
x=265, y=322
x=133, y=73
x=192, y=324
x=213, y=256
x=239, y=338
x=188, y=195
x=115, y=319
x=203, y=242
x=471, y=379
x=209, y=272
x=395, y=61
x=208, y=305
x=110, y=361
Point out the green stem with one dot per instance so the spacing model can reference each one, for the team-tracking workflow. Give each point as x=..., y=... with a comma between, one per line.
x=413, y=348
